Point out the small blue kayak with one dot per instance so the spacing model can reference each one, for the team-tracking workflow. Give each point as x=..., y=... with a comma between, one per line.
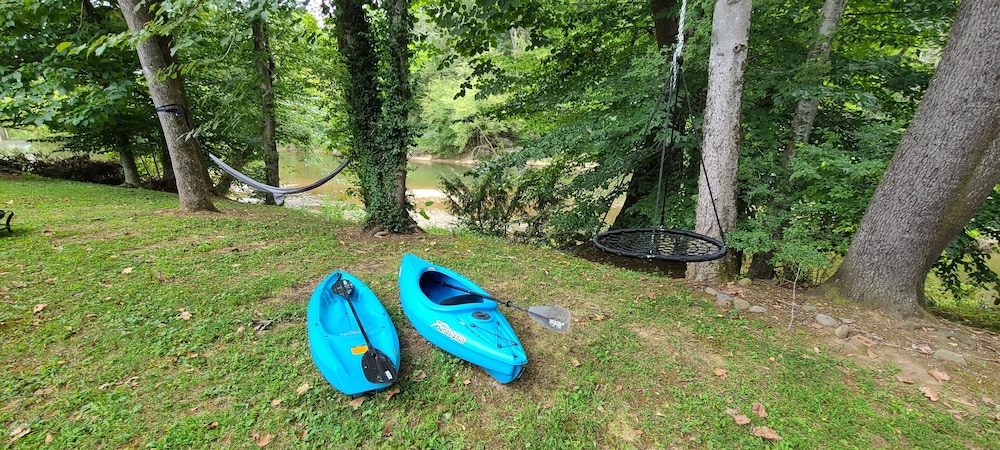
x=445, y=309
x=340, y=348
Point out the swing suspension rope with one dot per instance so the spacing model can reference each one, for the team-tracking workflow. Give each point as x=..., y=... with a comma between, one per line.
x=661, y=243
x=279, y=193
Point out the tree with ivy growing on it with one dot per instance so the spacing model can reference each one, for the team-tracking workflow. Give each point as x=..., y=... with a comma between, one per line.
x=379, y=101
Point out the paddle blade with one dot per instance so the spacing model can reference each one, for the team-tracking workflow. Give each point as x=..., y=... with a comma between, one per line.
x=377, y=367
x=554, y=318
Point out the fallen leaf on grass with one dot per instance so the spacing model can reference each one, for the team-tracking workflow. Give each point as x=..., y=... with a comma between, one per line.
x=185, y=315
x=265, y=439
x=741, y=419
x=939, y=375
x=575, y=362
x=212, y=425
x=963, y=401
x=49, y=438
x=18, y=433
x=391, y=393
x=126, y=271
x=722, y=373
x=303, y=389
x=38, y=308
x=929, y=393
x=766, y=433
x=357, y=402
x=418, y=375
x=758, y=410
x=276, y=402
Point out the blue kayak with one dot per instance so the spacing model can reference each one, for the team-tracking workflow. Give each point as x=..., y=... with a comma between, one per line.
x=463, y=324
x=336, y=342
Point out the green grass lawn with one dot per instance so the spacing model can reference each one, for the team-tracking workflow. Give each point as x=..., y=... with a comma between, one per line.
x=126, y=323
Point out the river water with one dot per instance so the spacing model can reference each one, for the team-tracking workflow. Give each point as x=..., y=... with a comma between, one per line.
x=299, y=168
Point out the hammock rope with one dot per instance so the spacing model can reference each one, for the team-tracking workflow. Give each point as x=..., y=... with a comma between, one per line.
x=278, y=193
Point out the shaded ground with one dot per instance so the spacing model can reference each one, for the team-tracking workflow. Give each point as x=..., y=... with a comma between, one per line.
x=944, y=361
x=870, y=337
x=590, y=253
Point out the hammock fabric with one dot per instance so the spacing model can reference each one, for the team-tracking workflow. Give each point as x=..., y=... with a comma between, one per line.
x=278, y=193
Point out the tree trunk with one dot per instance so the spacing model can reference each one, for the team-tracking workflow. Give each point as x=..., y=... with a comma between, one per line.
x=127, y=160
x=399, y=104
x=946, y=166
x=720, y=151
x=382, y=166
x=645, y=178
x=193, y=188
x=819, y=54
x=264, y=62
x=664, y=24
x=804, y=116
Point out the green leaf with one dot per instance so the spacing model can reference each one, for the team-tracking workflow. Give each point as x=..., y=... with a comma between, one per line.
x=63, y=46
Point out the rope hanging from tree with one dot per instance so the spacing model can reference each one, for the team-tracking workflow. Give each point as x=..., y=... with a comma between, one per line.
x=662, y=243
x=279, y=193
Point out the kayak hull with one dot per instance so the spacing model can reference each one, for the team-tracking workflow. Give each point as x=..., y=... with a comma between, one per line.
x=335, y=340
x=467, y=326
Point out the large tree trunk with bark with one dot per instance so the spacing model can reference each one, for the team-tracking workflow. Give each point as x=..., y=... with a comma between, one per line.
x=193, y=187
x=264, y=62
x=946, y=166
x=381, y=166
x=399, y=102
x=721, y=148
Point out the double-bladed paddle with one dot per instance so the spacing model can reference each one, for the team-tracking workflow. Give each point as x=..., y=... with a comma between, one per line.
x=376, y=366
x=555, y=318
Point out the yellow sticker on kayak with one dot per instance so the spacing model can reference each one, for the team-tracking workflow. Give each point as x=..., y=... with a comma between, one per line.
x=359, y=350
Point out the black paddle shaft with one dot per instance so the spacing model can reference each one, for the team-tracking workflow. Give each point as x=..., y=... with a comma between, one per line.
x=375, y=364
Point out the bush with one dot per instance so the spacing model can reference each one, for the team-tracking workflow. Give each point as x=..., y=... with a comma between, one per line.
x=75, y=168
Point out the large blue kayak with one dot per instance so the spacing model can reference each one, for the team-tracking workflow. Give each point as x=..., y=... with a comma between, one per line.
x=335, y=340
x=465, y=325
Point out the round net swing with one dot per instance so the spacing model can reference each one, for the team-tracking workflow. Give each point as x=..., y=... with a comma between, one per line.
x=664, y=244
x=660, y=242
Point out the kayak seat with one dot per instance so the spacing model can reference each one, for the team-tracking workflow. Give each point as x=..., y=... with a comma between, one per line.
x=461, y=300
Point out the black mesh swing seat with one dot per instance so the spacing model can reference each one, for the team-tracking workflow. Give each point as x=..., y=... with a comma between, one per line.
x=660, y=242
x=663, y=244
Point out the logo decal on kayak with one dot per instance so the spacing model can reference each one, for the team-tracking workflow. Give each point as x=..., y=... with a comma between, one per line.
x=444, y=329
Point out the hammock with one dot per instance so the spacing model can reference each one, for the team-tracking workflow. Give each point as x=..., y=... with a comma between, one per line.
x=278, y=193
